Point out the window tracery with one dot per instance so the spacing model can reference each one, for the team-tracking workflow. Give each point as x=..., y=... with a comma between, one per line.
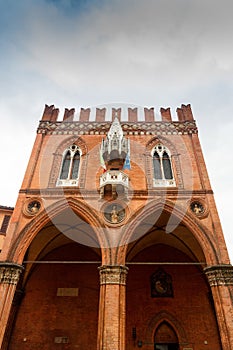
x=162, y=167
x=69, y=173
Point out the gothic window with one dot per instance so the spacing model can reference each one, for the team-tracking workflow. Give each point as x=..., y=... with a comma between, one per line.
x=70, y=167
x=163, y=174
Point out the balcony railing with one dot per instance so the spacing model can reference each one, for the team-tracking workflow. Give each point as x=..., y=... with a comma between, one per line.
x=114, y=177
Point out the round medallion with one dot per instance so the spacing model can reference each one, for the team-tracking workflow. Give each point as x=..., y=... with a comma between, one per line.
x=197, y=208
x=114, y=213
x=33, y=207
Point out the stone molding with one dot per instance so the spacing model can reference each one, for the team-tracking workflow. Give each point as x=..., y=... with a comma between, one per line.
x=110, y=274
x=129, y=128
x=10, y=273
x=219, y=275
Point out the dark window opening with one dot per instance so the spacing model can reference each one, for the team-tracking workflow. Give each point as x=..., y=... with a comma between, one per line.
x=5, y=223
x=167, y=166
x=157, y=166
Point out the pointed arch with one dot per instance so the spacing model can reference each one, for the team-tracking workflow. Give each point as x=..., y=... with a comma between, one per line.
x=165, y=328
x=171, y=162
x=69, y=173
x=200, y=233
x=29, y=232
x=79, y=161
x=167, y=318
x=162, y=164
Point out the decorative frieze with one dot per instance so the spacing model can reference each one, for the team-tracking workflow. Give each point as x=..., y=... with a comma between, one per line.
x=220, y=275
x=10, y=273
x=129, y=128
x=113, y=274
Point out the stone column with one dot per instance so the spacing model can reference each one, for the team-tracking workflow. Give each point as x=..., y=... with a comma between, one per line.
x=111, y=330
x=9, y=276
x=220, y=278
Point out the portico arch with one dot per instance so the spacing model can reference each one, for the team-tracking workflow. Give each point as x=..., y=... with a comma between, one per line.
x=144, y=219
x=61, y=262
x=88, y=217
x=166, y=275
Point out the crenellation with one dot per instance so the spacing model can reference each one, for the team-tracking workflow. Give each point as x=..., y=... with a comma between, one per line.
x=116, y=192
x=187, y=112
x=184, y=113
x=84, y=114
x=132, y=114
x=166, y=114
x=54, y=115
x=100, y=114
x=116, y=112
x=47, y=114
x=69, y=114
x=180, y=114
x=149, y=114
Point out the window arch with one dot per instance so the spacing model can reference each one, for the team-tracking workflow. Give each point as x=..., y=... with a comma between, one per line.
x=162, y=167
x=70, y=166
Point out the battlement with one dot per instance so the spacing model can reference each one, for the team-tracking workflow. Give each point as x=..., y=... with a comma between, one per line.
x=129, y=114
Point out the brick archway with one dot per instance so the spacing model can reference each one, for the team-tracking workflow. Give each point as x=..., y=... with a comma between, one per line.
x=25, y=237
x=200, y=233
x=171, y=320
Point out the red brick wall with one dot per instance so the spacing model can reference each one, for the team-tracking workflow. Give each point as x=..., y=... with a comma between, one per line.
x=190, y=306
x=43, y=315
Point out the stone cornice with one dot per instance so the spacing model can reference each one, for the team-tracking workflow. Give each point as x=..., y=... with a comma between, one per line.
x=113, y=274
x=56, y=191
x=10, y=272
x=129, y=128
x=219, y=275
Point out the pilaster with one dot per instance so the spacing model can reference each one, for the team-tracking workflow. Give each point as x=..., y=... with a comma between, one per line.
x=111, y=332
x=220, y=279
x=113, y=274
x=10, y=273
x=9, y=277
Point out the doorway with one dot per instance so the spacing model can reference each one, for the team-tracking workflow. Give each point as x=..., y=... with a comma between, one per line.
x=171, y=346
x=165, y=337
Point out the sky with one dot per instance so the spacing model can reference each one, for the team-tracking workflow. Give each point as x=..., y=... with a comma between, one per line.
x=156, y=53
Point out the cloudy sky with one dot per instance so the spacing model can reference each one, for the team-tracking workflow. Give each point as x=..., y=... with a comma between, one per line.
x=94, y=52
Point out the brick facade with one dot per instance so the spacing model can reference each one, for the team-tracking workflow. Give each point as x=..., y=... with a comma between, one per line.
x=112, y=255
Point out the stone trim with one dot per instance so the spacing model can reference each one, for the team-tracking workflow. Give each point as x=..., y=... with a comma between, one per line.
x=59, y=193
x=175, y=161
x=219, y=275
x=113, y=274
x=129, y=128
x=10, y=273
x=58, y=157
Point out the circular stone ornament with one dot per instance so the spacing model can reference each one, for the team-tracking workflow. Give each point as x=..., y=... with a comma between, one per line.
x=32, y=207
x=197, y=208
x=114, y=213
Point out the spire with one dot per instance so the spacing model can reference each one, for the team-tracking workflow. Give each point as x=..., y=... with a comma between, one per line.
x=115, y=131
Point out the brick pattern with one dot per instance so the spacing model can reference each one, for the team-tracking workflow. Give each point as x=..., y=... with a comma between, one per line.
x=106, y=310
x=129, y=128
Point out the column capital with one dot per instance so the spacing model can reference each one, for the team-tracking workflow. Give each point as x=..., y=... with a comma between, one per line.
x=113, y=274
x=10, y=272
x=219, y=275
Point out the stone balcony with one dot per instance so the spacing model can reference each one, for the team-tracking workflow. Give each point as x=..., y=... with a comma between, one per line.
x=114, y=179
